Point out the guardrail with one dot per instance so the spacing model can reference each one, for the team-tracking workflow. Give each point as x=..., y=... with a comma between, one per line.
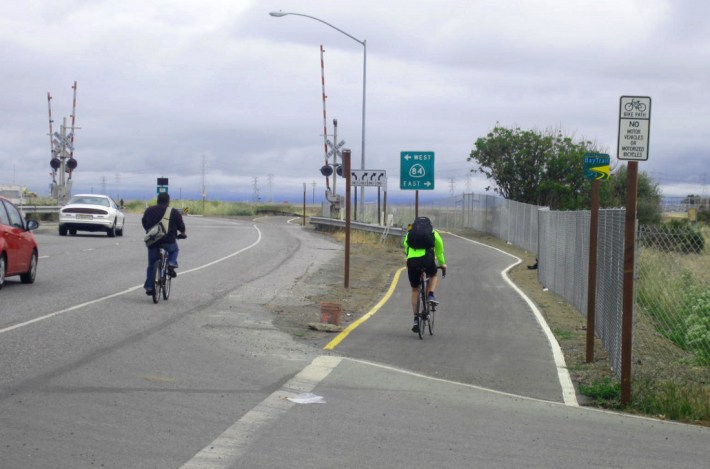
x=382, y=230
x=40, y=208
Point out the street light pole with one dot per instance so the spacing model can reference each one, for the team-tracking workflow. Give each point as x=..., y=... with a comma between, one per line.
x=279, y=14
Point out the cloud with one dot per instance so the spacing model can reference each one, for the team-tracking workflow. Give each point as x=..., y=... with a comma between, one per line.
x=162, y=85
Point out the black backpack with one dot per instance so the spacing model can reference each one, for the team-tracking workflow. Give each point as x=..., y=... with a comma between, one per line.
x=421, y=236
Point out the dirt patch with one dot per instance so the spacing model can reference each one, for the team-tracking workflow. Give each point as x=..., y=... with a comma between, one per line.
x=368, y=283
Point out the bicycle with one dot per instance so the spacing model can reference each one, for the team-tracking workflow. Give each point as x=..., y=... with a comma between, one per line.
x=635, y=104
x=425, y=309
x=161, y=275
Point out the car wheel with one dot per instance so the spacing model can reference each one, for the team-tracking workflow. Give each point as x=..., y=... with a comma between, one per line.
x=2, y=270
x=62, y=230
x=120, y=232
x=111, y=232
x=29, y=276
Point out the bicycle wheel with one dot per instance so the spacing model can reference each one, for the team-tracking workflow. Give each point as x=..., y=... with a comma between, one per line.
x=166, y=283
x=423, y=308
x=156, y=281
x=430, y=320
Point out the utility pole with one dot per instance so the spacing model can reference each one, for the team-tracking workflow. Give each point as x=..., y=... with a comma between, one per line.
x=204, y=192
x=270, y=183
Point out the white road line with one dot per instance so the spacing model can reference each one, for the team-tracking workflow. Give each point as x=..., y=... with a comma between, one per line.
x=224, y=451
x=568, y=393
x=114, y=295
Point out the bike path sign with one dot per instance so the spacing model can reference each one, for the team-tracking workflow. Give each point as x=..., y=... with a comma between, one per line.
x=416, y=170
x=634, y=125
x=596, y=166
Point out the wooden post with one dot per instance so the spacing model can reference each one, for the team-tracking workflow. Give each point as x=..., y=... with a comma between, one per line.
x=346, y=169
x=416, y=204
x=592, y=272
x=628, y=300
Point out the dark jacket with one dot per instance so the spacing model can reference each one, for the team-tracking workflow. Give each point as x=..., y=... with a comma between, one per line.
x=155, y=213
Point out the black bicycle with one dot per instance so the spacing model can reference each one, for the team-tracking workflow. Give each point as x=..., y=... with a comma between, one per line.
x=425, y=308
x=161, y=274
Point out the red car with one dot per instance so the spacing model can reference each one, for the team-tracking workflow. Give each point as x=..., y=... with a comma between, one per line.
x=18, y=248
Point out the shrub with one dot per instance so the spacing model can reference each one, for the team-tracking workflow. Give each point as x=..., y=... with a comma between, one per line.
x=676, y=236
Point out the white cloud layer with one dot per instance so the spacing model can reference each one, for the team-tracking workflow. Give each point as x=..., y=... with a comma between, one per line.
x=164, y=84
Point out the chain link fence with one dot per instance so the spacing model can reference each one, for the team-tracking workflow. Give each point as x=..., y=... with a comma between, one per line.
x=563, y=264
x=672, y=284
x=673, y=295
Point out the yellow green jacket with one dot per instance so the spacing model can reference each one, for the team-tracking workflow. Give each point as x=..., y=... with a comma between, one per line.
x=438, y=249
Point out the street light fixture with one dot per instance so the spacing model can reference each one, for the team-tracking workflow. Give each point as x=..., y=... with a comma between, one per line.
x=279, y=14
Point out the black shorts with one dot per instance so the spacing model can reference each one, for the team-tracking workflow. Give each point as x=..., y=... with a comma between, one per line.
x=414, y=265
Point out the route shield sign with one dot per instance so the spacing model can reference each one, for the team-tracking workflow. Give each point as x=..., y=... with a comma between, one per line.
x=416, y=170
x=596, y=166
x=634, y=124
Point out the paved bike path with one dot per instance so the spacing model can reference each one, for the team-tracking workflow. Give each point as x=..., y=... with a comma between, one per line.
x=377, y=416
x=486, y=333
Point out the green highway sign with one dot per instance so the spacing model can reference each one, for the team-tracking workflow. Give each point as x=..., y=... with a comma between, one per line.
x=596, y=166
x=416, y=170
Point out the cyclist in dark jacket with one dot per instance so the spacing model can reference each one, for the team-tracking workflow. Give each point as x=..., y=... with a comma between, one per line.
x=151, y=217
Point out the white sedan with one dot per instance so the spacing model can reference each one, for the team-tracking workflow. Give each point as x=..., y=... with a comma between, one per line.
x=91, y=212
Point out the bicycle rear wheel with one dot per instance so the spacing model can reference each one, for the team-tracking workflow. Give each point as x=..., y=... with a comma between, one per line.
x=156, y=281
x=422, y=308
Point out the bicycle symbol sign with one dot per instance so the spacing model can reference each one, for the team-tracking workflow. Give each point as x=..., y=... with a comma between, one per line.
x=634, y=124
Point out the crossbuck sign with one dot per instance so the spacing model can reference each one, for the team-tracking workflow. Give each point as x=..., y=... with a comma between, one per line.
x=369, y=178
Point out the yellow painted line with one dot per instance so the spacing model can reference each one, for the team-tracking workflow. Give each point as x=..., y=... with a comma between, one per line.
x=340, y=337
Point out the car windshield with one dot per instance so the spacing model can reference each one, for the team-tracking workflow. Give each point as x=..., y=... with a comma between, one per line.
x=90, y=201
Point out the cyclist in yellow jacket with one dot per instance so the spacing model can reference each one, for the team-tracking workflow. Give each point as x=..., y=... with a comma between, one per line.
x=418, y=258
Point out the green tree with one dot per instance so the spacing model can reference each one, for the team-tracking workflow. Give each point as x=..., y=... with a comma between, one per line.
x=648, y=206
x=534, y=167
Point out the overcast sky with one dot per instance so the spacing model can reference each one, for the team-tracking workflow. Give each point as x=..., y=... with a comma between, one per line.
x=163, y=86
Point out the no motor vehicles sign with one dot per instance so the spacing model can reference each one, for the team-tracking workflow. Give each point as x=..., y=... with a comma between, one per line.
x=634, y=124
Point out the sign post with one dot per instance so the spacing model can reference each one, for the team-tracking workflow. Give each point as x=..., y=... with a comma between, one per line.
x=596, y=168
x=416, y=172
x=634, y=126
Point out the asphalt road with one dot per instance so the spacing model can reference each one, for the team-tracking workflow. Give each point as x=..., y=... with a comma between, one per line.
x=93, y=374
